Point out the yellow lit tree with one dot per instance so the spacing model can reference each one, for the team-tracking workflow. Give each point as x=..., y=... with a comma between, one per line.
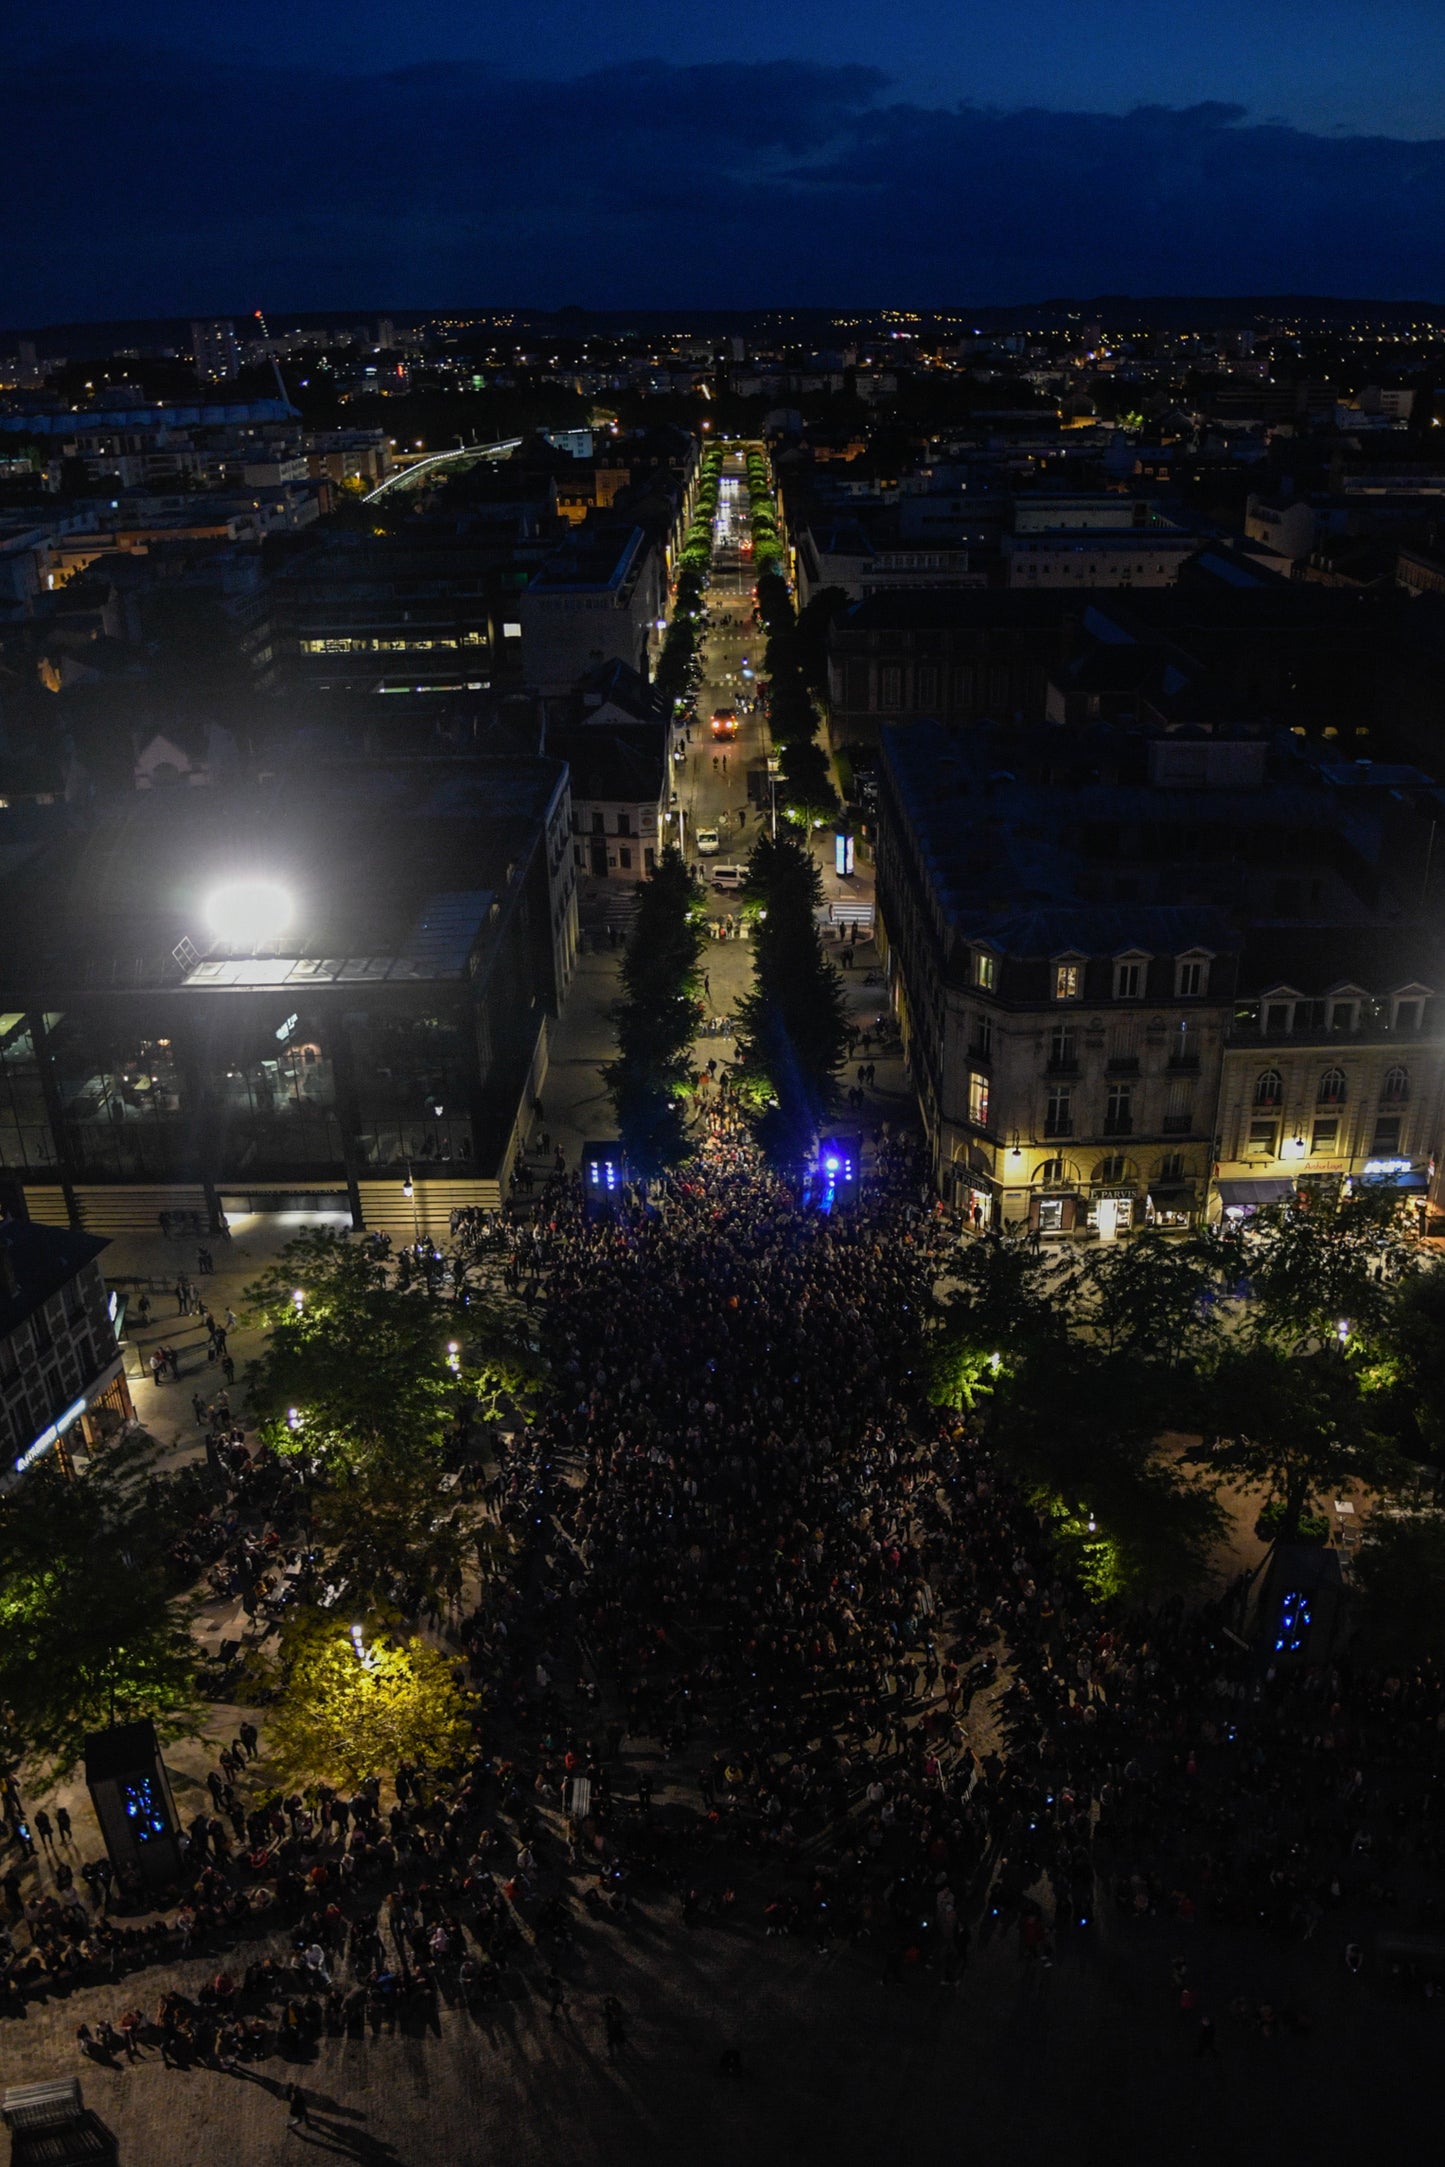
x=355, y=1702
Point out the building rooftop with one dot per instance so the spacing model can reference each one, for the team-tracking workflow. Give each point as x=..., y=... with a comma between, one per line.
x=596, y=559
x=393, y=870
x=36, y=1262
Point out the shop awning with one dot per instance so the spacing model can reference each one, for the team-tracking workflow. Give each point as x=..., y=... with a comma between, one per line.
x=1255, y=1192
x=1170, y=1198
x=1413, y=1183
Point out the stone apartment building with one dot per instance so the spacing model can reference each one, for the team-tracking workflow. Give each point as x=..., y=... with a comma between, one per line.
x=1137, y=987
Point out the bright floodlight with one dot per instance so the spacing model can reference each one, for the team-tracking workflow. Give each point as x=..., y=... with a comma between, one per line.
x=247, y=912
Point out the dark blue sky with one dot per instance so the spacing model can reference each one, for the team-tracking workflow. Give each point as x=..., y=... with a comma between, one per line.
x=350, y=153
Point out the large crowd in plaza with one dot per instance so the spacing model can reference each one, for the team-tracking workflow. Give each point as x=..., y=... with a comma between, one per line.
x=876, y=1716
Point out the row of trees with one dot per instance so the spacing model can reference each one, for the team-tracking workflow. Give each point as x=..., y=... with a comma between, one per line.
x=678, y=667
x=656, y=1018
x=792, y=1025
x=808, y=791
x=1128, y=1388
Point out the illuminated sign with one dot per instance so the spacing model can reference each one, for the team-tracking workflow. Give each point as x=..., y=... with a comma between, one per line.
x=47, y=1437
x=842, y=855
x=284, y=1030
x=1389, y=1166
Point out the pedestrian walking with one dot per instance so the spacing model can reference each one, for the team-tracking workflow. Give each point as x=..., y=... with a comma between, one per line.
x=299, y=2117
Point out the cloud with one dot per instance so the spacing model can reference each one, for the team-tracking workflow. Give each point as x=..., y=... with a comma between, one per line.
x=187, y=185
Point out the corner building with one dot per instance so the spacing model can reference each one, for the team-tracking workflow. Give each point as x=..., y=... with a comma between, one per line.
x=1143, y=980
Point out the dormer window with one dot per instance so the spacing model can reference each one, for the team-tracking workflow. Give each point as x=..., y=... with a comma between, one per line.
x=1068, y=979
x=1191, y=977
x=1130, y=977
x=985, y=970
x=1408, y=1012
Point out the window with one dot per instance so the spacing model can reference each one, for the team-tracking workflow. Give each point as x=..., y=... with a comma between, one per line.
x=1053, y=1173
x=978, y=1100
x=891, y=688
x=599, y=823
x=1063, y=1047
x=1332, y=1088
x=1395, y=1090
x=1344, y=1015
x=1129, y=979
x=1119, y=1110
x=982, y=1036
x=511, y=632
x=1386, y=1141
x=1111, y=1171
x=1278, y=1017
x=1268, y=1088
x=985, y=969
x=1261, y=1140
x=1059, y=1111
x=624, y=859
x=1325, y=1139
x=1171, y=1166
x=1409, y=1014
x=1068, y=978
x=1179, y=1109
x=1184, y=1050
x=1191, y=977
x=624, y=823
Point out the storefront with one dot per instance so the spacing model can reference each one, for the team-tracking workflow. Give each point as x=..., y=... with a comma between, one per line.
x=1170, y=1209
x=1112, y=1212
x=1240, y=1200
x=1056, y=1211
x=96, y=1415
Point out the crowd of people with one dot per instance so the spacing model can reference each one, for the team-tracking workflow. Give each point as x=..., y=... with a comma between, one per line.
x=780, y=1646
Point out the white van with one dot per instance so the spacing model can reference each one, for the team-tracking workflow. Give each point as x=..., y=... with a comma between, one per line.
x=728, y=876
x=709, y=842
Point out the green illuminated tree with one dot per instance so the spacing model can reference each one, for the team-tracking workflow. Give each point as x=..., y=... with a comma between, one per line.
x=357, y=1702
x=92, y=1631
x=365, y=1364
x=656, y=1019
x=792, y=1025
x=1081, y=1430
x=1002, y=1309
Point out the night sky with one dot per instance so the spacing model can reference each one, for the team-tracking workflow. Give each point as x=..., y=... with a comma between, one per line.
x=344, y=154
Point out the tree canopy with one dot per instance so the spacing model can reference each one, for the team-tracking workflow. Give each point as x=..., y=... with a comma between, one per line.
x=656, y=1019
x=92, y=1631
x=355, y=1700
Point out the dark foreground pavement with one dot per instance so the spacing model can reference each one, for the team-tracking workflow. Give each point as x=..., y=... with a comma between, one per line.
x=1087, y=2060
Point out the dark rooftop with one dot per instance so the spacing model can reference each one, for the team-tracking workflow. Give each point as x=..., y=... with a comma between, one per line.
x=40, y=1260
x=375, y=857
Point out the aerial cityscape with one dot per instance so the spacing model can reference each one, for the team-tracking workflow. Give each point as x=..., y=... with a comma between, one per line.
x=722, y=1086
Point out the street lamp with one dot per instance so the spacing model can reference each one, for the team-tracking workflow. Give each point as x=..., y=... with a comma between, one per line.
x=298, y=1301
